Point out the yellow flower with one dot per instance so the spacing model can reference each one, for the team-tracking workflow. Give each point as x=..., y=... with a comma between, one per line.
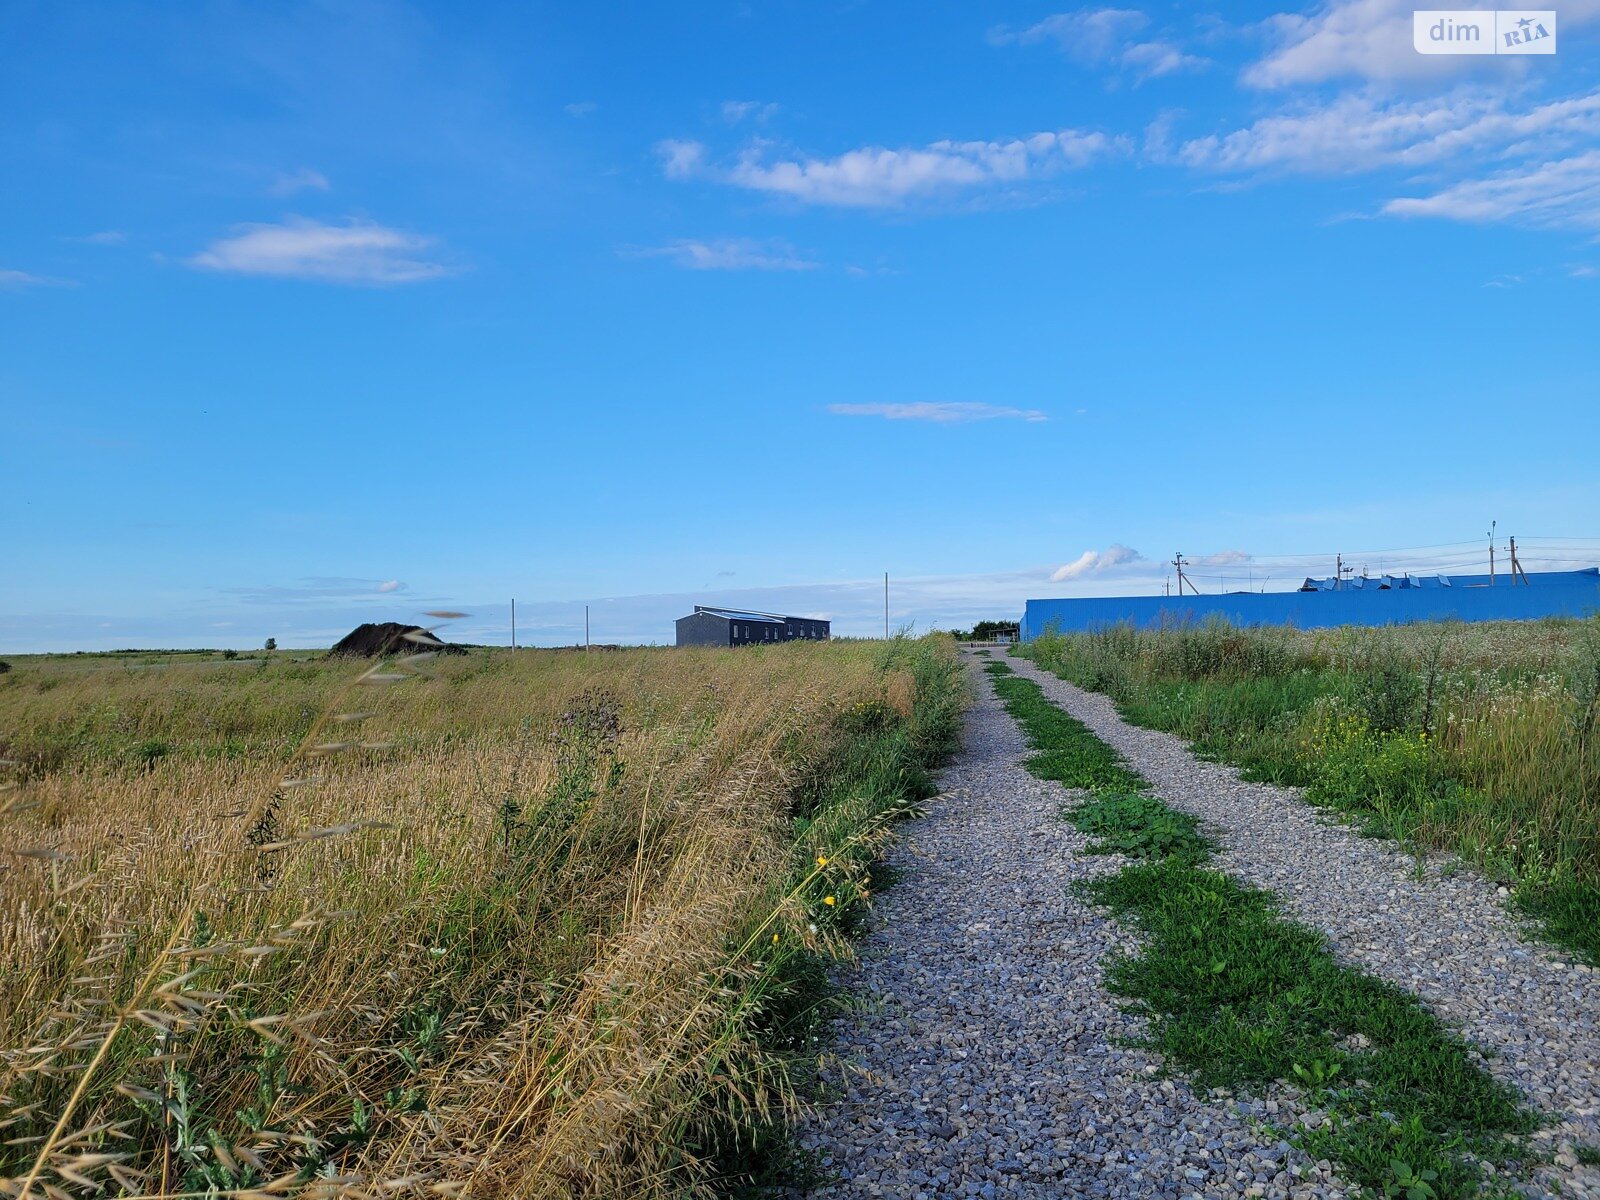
x=829, y=901
x=822, y=860
x=774, y=939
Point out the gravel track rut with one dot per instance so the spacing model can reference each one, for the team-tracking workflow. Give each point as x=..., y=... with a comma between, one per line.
x=983, y=1056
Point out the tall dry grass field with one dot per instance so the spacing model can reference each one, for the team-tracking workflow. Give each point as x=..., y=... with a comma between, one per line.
x=533, y=924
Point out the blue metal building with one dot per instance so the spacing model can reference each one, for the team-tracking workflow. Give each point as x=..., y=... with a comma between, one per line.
x=1323, y=603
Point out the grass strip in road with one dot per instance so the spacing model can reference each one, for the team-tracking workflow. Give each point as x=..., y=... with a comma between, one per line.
x=1137, y=825
x=1068, y=751
x=1239, y=995
x=997, y=668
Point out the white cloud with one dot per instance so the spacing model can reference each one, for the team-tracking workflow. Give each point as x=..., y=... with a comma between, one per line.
x=359, y=252
x=729, y=254
x=105, y=237
x=941, y=413
x=302, y=179
x=14, y=280
x=1371, y=39
x=390, y=585
x=878, y=177
x=734, y=111
x=1360, y=131
x=1561, y=194
x=1105, y=36
x=582, y=108
x=1092, y=562
x=1583, y=271
x=680, y=159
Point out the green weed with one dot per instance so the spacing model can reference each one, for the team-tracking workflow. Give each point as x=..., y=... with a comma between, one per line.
x=1068, y=752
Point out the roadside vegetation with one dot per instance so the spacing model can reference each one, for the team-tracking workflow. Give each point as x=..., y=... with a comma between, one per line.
x=542, y=923
x=1481, y=739
x=1238, y=995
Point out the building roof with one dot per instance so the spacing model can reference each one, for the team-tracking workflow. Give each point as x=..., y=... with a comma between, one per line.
x=1385, y=583
x=735, y=614
x=739, y=614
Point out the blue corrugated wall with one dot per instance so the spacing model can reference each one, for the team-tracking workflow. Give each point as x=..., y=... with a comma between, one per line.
x=1551, y=594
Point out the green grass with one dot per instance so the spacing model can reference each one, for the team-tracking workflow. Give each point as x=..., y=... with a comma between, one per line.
x=997, y=668
x=1481, y=740
x=1067, y=751
x=1137, y=825
x=1239, y=995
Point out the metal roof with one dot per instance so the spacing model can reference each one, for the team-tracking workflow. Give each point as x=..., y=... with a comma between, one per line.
x=734, y=614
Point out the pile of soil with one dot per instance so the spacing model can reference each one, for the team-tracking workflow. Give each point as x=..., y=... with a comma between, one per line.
x=388, y=637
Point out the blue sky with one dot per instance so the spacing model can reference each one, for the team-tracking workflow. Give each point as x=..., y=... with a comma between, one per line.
x=316, y=313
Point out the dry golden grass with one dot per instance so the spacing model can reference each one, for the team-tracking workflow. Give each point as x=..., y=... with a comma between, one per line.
x=530, y=942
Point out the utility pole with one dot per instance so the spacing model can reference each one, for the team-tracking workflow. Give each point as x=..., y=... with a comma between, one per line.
x=886, y=606
x=1518, y=575
x=1492, y=524
x=1177, y=561
x=513, y=622
x=586, y=629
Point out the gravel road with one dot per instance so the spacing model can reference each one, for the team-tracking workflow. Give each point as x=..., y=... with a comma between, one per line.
x=1438, y=930
x=983, y=1058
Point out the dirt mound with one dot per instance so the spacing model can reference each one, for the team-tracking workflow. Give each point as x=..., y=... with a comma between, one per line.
x=389, y=637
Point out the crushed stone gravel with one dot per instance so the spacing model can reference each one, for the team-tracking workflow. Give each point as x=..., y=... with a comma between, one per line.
x=1432, y=926
x=984, y=1056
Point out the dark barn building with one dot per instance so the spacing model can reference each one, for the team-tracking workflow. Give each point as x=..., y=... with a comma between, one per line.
x=735, y=627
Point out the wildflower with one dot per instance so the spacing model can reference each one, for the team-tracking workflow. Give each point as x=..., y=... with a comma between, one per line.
x=822, y=860
x=774, y=939
x=830, y=901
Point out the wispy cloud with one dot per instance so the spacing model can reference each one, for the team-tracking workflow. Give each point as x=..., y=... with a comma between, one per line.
x=1364, y=131
x=680, y=159
x=581, y=108
x=1105, y=37
x=1371, y=40
x=319, y=589
x=879, y=177
x=105, y=237
x=734, y=111
x=1561, y=194
x=302, y=179
x=1095, y=562
x=727, y=254
x=12, y=280
x=948, y=413
x=358, y=252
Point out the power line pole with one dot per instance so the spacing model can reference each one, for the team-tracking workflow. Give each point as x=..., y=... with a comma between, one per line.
x=886, y=606
x=1518, y=574
x=586, y=629
x=1492, y=524
x=1177, y=561
x=513, y=622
